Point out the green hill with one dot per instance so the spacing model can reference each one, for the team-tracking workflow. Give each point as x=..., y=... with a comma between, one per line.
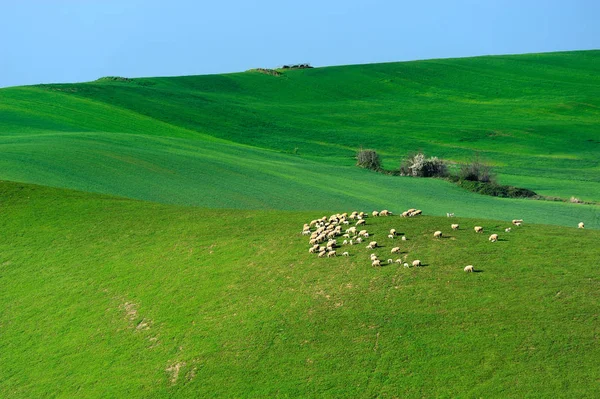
x=256, y=141
x=109, y=297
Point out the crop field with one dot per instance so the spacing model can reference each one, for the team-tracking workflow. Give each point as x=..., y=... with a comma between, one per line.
x=151, y=246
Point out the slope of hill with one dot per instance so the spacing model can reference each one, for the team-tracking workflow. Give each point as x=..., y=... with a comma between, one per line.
x=255, y=141
x=109, y=297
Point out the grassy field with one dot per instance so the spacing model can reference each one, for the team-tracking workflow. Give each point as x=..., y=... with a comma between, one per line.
x=534, y=117
x=109, y=297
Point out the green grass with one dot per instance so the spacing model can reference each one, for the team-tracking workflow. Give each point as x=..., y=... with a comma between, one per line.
x=198, y=139
x=236, y=300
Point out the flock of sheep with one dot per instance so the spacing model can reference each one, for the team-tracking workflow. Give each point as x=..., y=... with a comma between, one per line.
x=325, y=232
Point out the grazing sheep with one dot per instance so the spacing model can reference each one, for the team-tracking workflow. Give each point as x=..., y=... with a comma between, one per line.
x=375, y=213
x=395, y=250
x=405, y=214
x=361, y=222
x=372, y=245
x=359, y=240
x=398, y=261
x=345, y=254
x=393, y=232
x=478, y=229
x=391, y=236
x=416, y=263
x=469, y=269
x=306, y=232
x=580, y=225
x=366, y=235
x=406, y=265
x=507, y=230
x=351, y=230
x=437, y=234
x=517, y=222
x=454, y=226
x=322, y=254
x=493, y=238
x=390, y=261
x=411, y=210
x=331, y=254
x=345, y=222
x=351, y=242
x=450, y=215
x=376, y=262
x=417, y=212
x=312, y=250
x=403, y=238
x=373, y=257
x=345, y=242
x=385, y=212
x=362, y=232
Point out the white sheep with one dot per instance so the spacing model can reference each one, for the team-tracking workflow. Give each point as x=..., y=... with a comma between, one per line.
x=375, y=213
x=580, y=225
x=416, y=263
x=454, y=226
x=366, y=235
x=362, y=232
x=345, y=242
x=469, y=269
x=373, y=244
x=493, y=238
x=331, y=254
x=322, y=254
x=345, y=254
x=437, y=234
x=312, y=250
x=398, y=261
x=507, y=230
x=478, y=229
x=385, y=212
x=450, y=215
x=376, y=262
x=517, y=222
x=404, y=238
x=393, y=232
x=373, y=257
x=359, y=240
x=391, y=236
x=390, y=261
x=395, y=250
x=306, y=232
x=406, y=264
x=361, y=222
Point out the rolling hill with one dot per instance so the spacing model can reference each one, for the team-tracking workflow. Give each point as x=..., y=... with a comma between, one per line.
x=256, y=141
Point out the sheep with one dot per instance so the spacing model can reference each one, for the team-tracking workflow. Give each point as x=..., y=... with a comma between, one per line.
x=406, y=264
x=345, y=242
x=411, y=210
x=331, y=254
x=322, y=254
x=376, y=262
x=312, y=250
x=398, y=261
x=351, y=230
x=362, y=232
x=359, y=240
x=517, y=222
x=478, y=229
x=437, y=234
x=493, y=238
x=366, y=235
x=395, y=250
x=345, y=222
x=405, y=214
x=393, y=232
x=372, y=245
x=454, y=226
x=375, y=213
x=385, y=212
x=450, y=215
x=374, y=256
x=361, y=222
x=404, y=238
x=417, y=212
x=580, y=225
x=507, y=230
x=306, y=232
x=416, y=263
x=469, y=269
x=391, y=236
x=345, y=253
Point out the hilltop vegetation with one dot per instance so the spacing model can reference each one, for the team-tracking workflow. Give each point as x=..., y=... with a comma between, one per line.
x=254, y=141
x=103, y=296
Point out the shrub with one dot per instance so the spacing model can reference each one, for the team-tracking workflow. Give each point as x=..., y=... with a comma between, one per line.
x=368, y=159
x=476, y=171
x=419, y=166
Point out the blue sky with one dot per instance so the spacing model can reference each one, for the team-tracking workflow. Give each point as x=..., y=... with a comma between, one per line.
x=48, y=41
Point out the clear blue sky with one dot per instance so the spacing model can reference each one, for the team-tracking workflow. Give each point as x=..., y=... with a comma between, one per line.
x=48, y=41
